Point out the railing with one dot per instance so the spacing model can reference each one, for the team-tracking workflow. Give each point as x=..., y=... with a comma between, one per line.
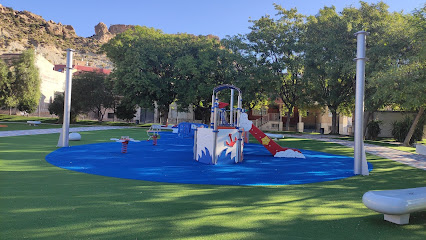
x=267, y=118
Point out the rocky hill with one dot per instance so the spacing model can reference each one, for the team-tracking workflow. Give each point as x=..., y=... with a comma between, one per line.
x=20, y=30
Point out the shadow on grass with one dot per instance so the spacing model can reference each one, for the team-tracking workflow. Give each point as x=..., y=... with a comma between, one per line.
x=41, y=201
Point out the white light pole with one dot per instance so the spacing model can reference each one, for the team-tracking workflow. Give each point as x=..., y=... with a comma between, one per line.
x=360, y=161
x=231, y=108
x=64, y=137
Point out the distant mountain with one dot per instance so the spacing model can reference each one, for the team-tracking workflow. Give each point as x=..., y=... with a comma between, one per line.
x=20, y=30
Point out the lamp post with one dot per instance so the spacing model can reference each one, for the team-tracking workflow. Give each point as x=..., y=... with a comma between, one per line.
x=64, y=137
x=360, y=161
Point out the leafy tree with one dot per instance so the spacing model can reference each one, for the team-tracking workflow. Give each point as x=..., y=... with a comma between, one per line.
x=153, y=67
x=205, y=65
x=388, y=43
x=125, y=111
x=26, y=85
x=332, y=46
x=131, y=55
x=405, y=86
x=57, y=108
x=278, y=47
x=403, y=82
x=92, y=92
x=329, y=66
x=5, y=84
x=246, y=72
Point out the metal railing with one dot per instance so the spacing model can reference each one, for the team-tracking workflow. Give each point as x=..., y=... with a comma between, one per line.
x=267, y=118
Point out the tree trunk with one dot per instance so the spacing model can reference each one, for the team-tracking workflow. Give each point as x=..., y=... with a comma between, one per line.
x=367, y=117
x=164, y=114
x=413, y=127
x=100, y=115
x=206, y=115
x=287, y=122
x=334, y=126
x=353, y=123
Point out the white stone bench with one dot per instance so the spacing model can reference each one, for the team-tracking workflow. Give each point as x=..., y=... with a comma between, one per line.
x=396, y=205
x=74, y=136
x=421, y=149
x=33, y=123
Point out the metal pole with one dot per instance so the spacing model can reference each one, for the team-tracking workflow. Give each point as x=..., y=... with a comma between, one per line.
x=231, y=109
x=215, y=130
x=64, y=137
x=212, y=112
x=359, y=105
x=239, y=108
x=239, y=144
x=195, y=144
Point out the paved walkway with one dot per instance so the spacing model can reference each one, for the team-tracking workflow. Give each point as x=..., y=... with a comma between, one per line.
x=414, y=160
x=55, y=130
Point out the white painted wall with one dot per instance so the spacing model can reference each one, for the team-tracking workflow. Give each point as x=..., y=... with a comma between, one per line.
x=51, y=82
x=387, y=118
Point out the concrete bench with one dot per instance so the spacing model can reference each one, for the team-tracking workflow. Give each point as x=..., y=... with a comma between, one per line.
x=33, y=123
x=421, y=149
x=396, y=205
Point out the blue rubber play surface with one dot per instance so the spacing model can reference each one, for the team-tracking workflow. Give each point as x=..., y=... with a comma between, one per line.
x=172, y=161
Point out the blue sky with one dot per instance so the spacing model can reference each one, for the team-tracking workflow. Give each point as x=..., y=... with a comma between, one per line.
x=217, y=17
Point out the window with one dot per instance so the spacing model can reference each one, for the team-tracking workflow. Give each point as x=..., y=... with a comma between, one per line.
x=110, y=115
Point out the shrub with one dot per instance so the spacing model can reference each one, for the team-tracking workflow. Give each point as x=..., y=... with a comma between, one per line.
x=57, y=108
x=400, y=130
x=125, y=111
x=373, y=129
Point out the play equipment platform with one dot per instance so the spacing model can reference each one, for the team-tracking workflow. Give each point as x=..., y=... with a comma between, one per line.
x=223, y=141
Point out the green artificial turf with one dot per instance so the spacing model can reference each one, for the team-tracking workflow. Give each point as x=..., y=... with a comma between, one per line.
x=24, y=126
x=41, y=201
x=387, y=142
x=18, y=118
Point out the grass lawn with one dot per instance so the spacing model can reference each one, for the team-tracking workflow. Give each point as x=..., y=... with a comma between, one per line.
x=41, y=201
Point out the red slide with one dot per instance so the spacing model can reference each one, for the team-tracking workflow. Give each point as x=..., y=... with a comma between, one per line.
x=267, y=142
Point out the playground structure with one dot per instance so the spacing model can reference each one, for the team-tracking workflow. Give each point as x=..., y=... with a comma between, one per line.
x=124, y=142
x=187, y=129
x=223, y=142
x=153, y=131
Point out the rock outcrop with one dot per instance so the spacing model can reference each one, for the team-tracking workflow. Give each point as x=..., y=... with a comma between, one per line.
x=119, y=28
x=57, y=29
x=101, y=29
x=20, y=30
x=103, y=34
